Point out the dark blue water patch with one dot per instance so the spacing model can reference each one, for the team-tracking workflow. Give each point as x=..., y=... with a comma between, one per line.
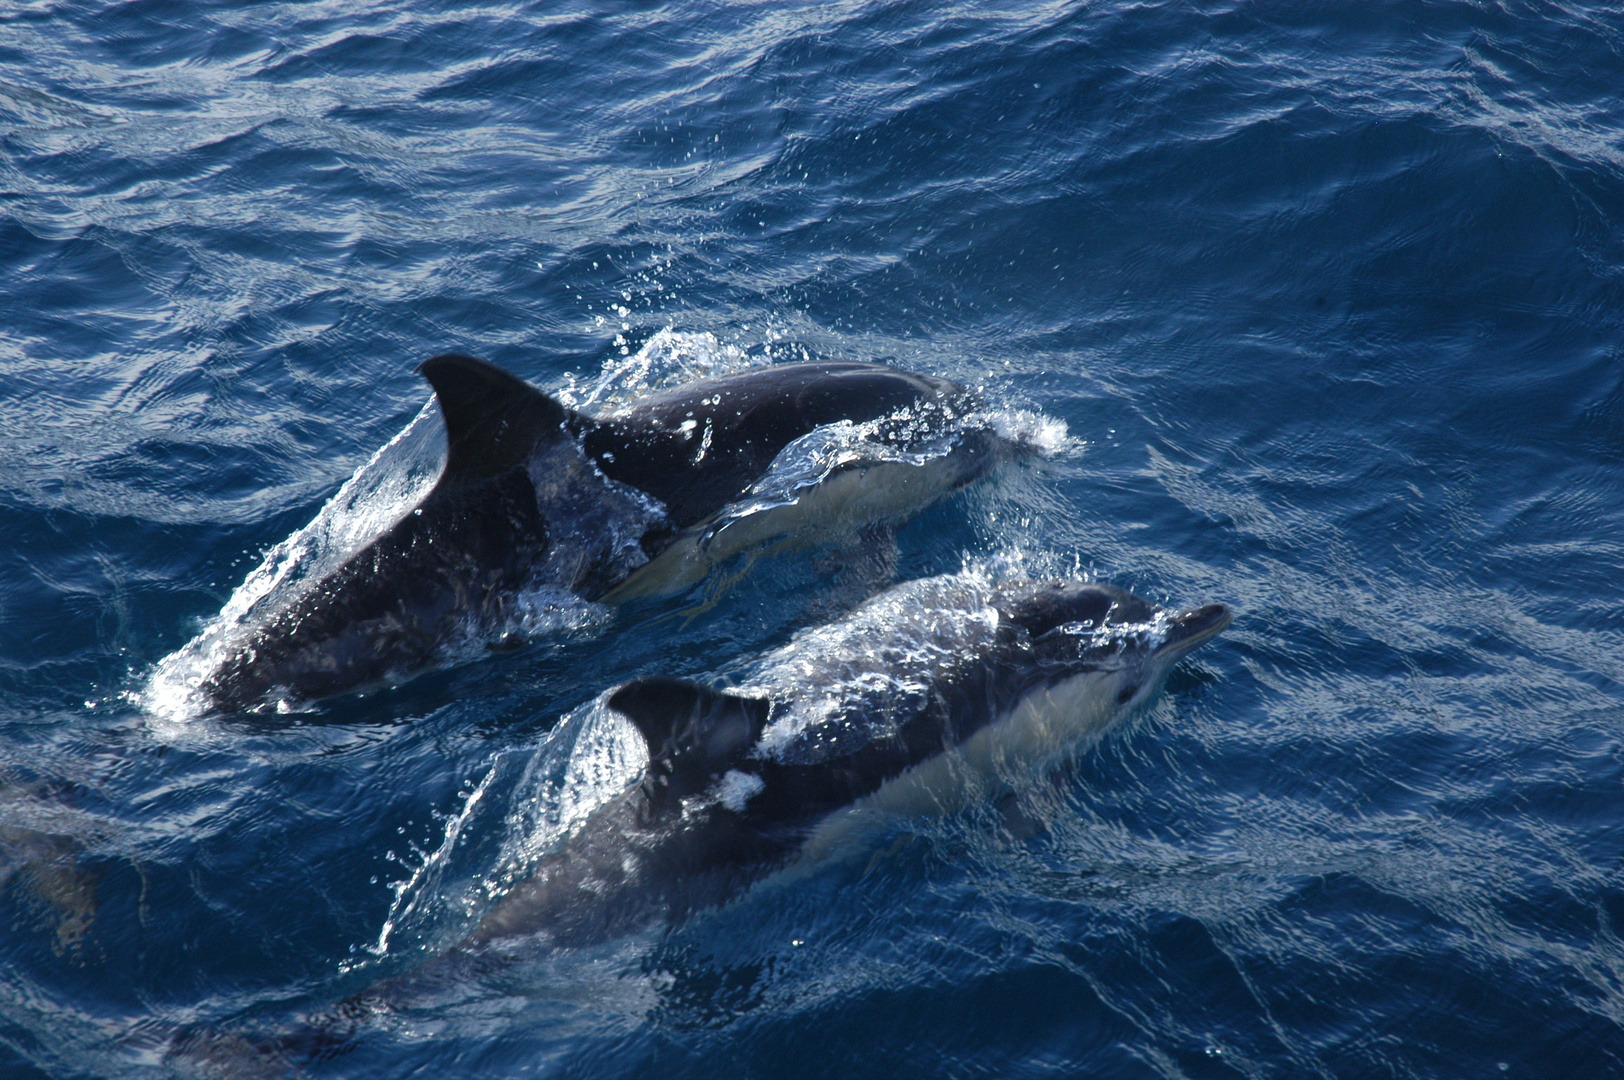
x=1040, y=1017
x=13, y=1060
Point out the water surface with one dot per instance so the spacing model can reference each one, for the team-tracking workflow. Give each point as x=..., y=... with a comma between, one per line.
x=1328, y=300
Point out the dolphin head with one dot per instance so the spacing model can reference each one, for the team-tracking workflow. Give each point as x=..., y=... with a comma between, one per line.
x=1126, y=644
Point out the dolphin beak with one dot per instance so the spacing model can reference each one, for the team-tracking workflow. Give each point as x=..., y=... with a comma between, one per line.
x=1188, y=629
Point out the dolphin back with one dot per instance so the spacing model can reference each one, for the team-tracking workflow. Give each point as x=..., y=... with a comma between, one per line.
x=456, y=559
x=700, y=446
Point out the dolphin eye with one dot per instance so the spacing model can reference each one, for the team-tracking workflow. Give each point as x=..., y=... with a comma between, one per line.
x=1126, y=693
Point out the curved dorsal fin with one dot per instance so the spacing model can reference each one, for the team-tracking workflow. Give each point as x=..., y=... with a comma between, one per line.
x=694, y=733
x=493, y=419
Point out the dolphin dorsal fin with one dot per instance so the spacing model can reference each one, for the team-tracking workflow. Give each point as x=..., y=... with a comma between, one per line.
x=493, y=419
x=694, y=733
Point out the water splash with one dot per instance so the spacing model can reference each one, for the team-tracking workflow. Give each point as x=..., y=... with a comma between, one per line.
x=426, y=879
x=592, y=756
x=669, y=358
x=855, y=676
x=381, y=491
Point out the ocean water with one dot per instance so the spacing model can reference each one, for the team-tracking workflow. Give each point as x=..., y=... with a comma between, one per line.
x=1330, y=302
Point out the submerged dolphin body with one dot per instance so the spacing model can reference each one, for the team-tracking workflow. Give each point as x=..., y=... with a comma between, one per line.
x=909, y=704
x=534, y=496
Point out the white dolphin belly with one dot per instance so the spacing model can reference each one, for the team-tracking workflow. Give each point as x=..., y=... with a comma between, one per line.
x=1041, y=729
x=850, y=498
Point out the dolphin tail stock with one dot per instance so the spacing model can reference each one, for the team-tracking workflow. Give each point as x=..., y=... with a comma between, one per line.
x=232, y=1053
x=227, y=1055
x=241, y=1050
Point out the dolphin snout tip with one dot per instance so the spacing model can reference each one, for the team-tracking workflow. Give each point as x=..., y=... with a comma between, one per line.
x=1194, y=626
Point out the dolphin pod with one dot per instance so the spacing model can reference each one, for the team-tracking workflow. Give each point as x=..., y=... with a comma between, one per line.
x=926, y=697
x=535, y=495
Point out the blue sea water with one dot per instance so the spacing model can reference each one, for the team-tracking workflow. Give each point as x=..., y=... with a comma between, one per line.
x=1329, y=298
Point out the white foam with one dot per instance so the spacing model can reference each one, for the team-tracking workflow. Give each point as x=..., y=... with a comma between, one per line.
x=592, y=756
x=879, y=663
x=1044, y=435
x=380, y=492
x=669, y=358
x=736, y=789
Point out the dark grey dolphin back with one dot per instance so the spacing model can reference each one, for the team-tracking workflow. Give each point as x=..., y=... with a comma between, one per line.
x=701, y=445
x=493, y=420
x=475, y=538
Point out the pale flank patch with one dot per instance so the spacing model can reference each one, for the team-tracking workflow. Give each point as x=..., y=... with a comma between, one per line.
x=1045, y=727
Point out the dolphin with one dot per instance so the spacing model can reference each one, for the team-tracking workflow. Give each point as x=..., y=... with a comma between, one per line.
x=926, y=697
x=534, y=495
x=913, y=703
